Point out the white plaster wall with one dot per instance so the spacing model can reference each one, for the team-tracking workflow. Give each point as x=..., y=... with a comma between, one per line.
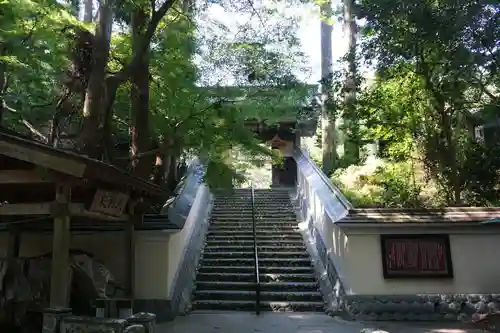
x=475, y=259
x=108, y=247
x=357, y=257
x=151, y=264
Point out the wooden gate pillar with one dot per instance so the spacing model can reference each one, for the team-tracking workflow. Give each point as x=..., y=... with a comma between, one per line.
x=60, y=281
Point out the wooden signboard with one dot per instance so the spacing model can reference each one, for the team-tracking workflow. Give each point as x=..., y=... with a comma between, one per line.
x=416, y=256
x=111, y=203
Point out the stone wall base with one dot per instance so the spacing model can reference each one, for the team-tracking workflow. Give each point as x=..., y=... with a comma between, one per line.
x=426, y=307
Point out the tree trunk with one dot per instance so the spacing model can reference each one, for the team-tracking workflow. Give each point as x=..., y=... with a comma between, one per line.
x=94, y=108
x=3, y=83
x=101, y=90
x=351, y=130
x=139, y=97
x=328, y=140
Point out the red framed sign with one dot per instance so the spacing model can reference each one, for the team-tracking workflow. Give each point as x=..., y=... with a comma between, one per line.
x=416, y=256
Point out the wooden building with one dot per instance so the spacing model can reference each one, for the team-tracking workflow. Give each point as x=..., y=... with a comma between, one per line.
x=44, y=188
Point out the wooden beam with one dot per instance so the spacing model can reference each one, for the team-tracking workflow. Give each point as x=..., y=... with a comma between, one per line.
x=60, y=280
x=49, y=208
x=22, y=177
x=39, y=208
x=39, y=157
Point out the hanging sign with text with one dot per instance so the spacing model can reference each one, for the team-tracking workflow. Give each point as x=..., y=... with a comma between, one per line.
x=414, y=256
x=110, y=203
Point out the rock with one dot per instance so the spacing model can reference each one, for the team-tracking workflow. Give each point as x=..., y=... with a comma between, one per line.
x=372, y=330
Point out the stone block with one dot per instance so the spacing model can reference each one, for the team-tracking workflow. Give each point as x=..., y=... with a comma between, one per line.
x=82, y=324
x=148, y=320
x=52, y=319
x=135, y=329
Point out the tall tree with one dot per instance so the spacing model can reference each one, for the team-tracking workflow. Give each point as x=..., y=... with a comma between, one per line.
x=102, y=88
x=328, y=119
x=139, y=97
x=349, y=119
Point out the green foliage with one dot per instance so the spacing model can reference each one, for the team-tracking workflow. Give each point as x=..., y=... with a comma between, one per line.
x=393, y=110
x=191, y=114
x=481, y=174
x=437, y=64
x=384, y=184
x=33, y=56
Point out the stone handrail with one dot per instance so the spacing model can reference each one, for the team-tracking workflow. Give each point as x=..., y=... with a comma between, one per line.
x=178, y=208
x=334, y=201
x=334, y=188
x=320, y=204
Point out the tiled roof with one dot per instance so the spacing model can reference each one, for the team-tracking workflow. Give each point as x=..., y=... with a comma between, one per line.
x=406, y=215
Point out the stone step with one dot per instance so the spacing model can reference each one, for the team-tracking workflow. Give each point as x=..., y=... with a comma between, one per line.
x=264, y=225
x=279, y=206
x=258, y=211
x=221, y=237
x=291, y=286
x=256, y=195
x=268, y=262
x=229, y=305
x=263, y=222
x=244, y=219
x=247, y=202
x=225, y=241
x=255, y=192
x=264, y=202
x=281, y=194
x=250, y=254
x=260, y=233
x=263, y=269
x=239, y=214
x=258, y=224
x=250, y=277
x=249, y=219
x=249, y=197
x=269, y=248
x=249, y=295
x=259, y=228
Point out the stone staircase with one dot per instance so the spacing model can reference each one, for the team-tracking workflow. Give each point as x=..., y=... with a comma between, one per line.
x=226, y=276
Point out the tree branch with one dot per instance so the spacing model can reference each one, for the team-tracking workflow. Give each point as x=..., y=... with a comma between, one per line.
x=26, y=123
x=125, y=73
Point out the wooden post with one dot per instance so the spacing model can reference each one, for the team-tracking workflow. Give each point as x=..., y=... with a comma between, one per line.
x=130, y=255
x=13, y=242
x=60, y=278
